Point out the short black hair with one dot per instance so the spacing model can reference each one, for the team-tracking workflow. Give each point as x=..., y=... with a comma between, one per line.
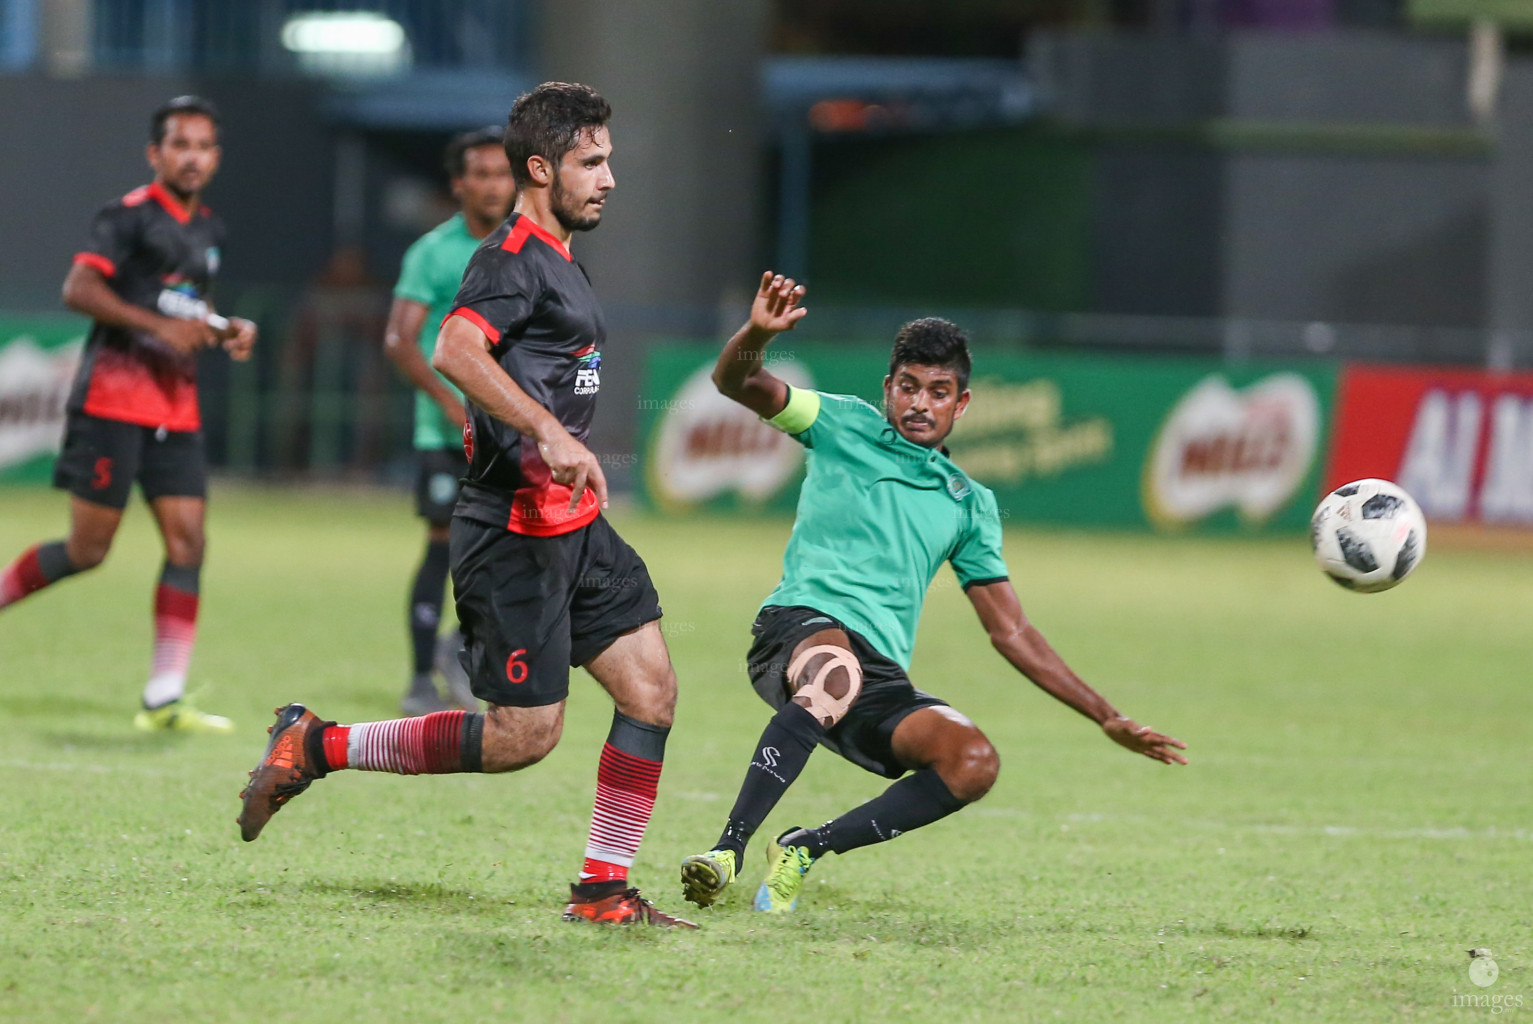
x=548, y=122
x=179, y=105
x=932, y=341
x=456, y=158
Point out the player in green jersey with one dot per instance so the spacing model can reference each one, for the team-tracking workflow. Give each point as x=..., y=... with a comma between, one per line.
x=881, y=509
x=428, y=283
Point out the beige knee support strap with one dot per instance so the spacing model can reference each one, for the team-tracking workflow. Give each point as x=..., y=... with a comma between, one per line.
x=826, y=707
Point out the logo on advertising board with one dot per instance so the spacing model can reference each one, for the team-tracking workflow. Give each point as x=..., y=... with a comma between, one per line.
x=1460, y=441
x=1220, y=447
x=34, y=385
x=707, y=445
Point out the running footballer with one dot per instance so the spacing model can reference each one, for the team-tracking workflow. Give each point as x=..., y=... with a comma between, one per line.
x=133, y=417
x=541, y=580
x=881, y=509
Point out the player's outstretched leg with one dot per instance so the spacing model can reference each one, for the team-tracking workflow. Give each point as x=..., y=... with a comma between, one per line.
x=825, y=677
x=35, y=568
x=955, y=765
x=303, y=749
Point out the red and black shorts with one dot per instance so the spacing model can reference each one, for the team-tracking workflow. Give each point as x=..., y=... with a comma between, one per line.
x=532, y=607
x=102, y=458
x=865, y=735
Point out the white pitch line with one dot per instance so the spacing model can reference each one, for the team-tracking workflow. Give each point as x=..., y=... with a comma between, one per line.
x=1452, y=832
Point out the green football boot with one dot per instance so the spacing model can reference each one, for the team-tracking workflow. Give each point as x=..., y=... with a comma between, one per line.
x=779, y=892
x=704, y=876
x=181, y=716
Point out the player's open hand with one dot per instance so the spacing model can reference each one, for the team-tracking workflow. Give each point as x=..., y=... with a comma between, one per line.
x=574, y=465
x=1141, y=739
x=240, y=339
x=187, y=337
x=776, y=307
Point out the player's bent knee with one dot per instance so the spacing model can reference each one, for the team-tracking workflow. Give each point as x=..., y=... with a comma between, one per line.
x=972, y=770
x=827, y=680
x=516, y=738
x=88, y=554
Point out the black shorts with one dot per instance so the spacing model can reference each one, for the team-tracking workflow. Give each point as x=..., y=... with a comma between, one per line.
x=101, y=459
x=437, y=473
x=532, y=607
x=864, y=736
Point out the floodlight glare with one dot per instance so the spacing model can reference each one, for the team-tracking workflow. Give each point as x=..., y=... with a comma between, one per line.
x=343, y=32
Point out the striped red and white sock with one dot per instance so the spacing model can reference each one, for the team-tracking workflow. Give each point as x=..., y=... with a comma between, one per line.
x=441, y=743
x=175, y=633
x=627, y=779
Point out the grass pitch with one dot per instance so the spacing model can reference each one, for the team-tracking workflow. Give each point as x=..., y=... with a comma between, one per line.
x=1355, y=818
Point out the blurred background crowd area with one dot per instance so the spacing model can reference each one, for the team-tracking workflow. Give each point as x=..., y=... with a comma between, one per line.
x=1235, y=180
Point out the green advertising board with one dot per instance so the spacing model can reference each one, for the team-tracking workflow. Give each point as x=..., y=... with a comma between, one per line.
x=38, y=356
x=1119, y=441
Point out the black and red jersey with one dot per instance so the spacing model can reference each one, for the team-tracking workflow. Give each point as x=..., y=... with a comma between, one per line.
x=536, y=305
x=154, y=254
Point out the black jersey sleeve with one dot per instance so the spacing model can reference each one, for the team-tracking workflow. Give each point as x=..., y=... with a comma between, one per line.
x=498, y=293
x=113, y=238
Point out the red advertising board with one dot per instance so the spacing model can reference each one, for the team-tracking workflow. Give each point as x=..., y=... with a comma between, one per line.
x=1460, y=441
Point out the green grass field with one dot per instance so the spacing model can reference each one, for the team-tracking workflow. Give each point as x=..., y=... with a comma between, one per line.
x=1356, y=815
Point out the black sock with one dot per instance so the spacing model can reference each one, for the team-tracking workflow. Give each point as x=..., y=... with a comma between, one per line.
x=53, y=561
x=780, y=756
x=426, y=604
x=913, y=801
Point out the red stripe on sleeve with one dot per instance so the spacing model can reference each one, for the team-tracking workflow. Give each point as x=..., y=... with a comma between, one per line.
x=475, y=319
x=101, y=263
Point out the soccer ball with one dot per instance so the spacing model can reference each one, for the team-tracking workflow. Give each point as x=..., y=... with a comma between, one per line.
x=1368, y=535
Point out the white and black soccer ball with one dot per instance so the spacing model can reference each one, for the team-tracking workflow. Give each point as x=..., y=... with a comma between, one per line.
x=1368, y=535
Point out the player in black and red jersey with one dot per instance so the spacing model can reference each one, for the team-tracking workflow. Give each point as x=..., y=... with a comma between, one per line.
x=143, y=279
x=542, y=581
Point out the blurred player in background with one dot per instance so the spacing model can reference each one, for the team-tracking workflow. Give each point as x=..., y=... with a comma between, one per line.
x=880, y=511
x=542, y=582
x=428, y=282
x=144, y=279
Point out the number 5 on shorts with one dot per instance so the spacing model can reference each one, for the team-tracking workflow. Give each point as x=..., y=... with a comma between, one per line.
x=516, y=671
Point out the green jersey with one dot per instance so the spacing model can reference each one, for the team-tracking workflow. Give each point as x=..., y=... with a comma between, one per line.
x=431, y=274
x=877, y=517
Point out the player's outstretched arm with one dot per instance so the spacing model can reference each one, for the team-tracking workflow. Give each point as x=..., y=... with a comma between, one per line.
x=401, y=343
x=86, y=291
x=1020, y=643
x=740, y=373
x=463, y=357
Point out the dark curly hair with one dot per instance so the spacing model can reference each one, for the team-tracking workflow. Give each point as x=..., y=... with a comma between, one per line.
x=549, y=121
x=932, y=341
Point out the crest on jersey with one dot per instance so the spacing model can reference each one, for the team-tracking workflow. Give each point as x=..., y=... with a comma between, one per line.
x=212, y=257
x=588, y=373
x=957, y=486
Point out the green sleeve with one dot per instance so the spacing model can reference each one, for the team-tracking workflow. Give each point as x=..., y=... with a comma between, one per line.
x=415, y=274
x=978, y=557
x=801, y=412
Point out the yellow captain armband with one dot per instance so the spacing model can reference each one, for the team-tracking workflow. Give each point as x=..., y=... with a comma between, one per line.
x=799, y=414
